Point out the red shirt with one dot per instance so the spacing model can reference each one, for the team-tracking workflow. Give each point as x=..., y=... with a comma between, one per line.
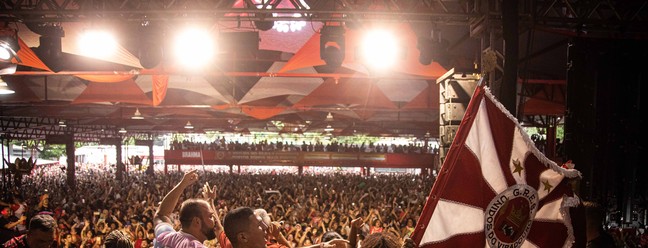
x=223, y=241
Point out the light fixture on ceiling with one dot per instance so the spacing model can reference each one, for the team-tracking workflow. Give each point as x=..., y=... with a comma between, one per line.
x=122, y=130
x=50, y=50
x=151, y=50
x=329, y=117
x=263, y=24
x=194, y=48
x=188, y=125
x=328, y=128
x=332, y=45
x=98, y=43
x=4, y=88
x=6, y=52
x=432, y=48
x=62, y=124
x=380, y=49
x=8, y=44
x=137, y=115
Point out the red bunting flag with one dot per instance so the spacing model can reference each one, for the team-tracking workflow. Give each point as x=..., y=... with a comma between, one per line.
x=495, y=188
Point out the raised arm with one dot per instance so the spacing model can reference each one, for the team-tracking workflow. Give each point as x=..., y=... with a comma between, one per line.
x=356, y=224
x=171, y=199
x=275, y=231
x=209, y=194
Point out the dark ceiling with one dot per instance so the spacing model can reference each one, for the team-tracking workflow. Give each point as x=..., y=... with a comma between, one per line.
x=224, y=98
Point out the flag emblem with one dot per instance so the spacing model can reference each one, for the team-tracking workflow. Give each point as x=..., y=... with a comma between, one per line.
x=495, y=188
x=508, y=216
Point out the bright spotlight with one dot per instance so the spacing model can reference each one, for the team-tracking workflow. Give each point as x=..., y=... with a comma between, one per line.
x=380, y=49
x=8, y=44
x=194, y=48
x=5, y=53
x=97, y=44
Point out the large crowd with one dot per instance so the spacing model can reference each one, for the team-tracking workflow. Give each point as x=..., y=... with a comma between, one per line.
x=307, y=205
x=304, y=209
x=333, y=146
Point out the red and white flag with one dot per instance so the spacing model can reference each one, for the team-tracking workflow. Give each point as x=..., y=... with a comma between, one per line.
x=495, y=188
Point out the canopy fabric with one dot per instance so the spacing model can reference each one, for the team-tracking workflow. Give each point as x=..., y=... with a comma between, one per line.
x=23, y=92
x=402, y=90
x=348, y=91
x=166, y=90
x=105, y=78
x=59, y=88
x=160, y=84
x=74, y=30
x=427, y=99
x=28, y=57
x=309, y=54
x=126, y=91
x=273, y=86
x=262, y=113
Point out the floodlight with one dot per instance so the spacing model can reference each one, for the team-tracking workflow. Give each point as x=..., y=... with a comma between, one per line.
x=194, y=48
x=332, y=45
x=8, y=44
x=99, y=44
x=380, y=49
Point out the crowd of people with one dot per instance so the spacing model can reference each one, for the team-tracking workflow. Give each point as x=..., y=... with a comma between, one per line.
x=333, y=146
x=307, y=206
x=313, y=210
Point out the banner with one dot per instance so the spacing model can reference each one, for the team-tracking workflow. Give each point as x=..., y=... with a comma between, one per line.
x=495, y=188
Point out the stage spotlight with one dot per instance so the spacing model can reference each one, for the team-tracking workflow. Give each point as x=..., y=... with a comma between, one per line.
x=380, y=49
x=151, y=50
x=194, y=48
x=97, y=44
x=264, y=25
x=425, y=47
x=431, y=49
x=8, y=44
x=50, y=49
x=332, y=45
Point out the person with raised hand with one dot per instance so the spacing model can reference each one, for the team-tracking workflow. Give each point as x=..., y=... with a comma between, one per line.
x=197, y=218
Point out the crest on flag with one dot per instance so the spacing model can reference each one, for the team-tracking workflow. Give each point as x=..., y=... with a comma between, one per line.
x=495, y=188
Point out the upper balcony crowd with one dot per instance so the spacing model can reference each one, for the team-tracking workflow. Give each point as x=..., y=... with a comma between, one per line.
x=221, y=144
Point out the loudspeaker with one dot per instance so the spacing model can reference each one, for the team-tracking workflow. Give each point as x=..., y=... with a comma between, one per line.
x=447, y=134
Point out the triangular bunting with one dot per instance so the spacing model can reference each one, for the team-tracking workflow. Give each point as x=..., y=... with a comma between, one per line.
x=262, y=113
x=351, y=91
x=28, y=57
x=125, y=91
